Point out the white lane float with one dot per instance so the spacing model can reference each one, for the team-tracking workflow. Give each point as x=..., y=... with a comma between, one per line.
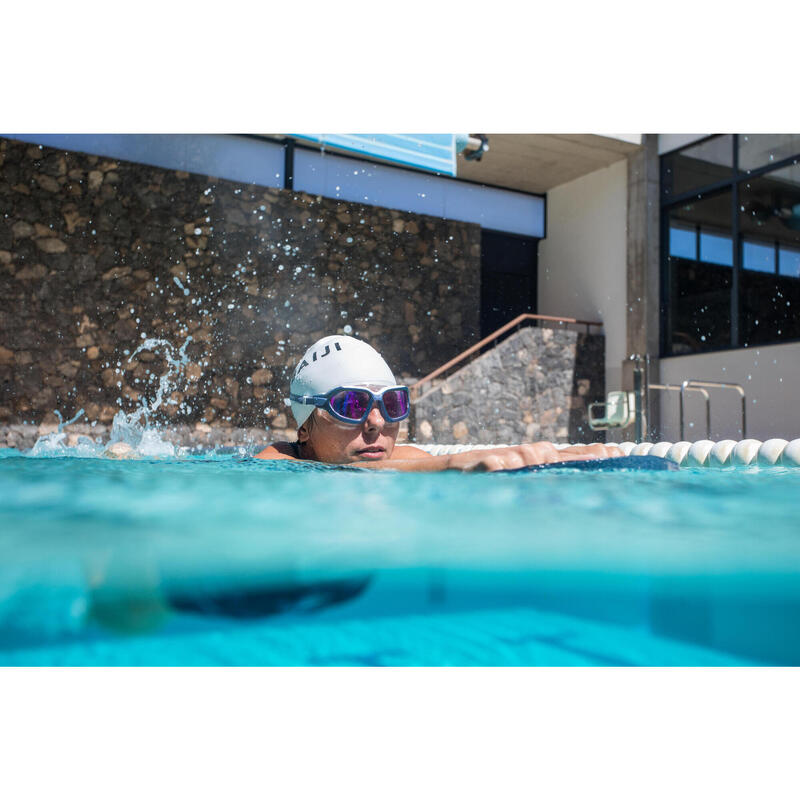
x=790, y=457
x=745, y=452
x=720, y=454
x=703, y=453
x=770, y=452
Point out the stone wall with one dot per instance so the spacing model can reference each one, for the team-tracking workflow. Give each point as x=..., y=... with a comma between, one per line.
x=535, y=385
x=98, y=254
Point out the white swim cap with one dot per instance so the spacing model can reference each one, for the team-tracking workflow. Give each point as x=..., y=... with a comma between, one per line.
x=336, y=361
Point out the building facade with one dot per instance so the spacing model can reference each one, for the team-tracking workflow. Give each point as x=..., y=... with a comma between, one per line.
x=685, y=247
x=688, y=251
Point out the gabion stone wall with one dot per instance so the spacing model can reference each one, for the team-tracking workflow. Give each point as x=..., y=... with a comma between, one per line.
x=97, y=255
x=535, y=385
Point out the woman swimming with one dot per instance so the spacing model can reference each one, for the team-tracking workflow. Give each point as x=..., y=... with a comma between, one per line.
x=348, y=408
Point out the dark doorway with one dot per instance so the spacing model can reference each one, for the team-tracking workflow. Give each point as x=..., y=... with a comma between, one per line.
x=508, y=278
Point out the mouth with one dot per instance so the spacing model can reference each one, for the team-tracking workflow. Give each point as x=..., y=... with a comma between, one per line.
x=372, y=453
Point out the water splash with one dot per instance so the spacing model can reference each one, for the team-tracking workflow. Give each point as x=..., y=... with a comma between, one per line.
x=133, y=429
x=132, y=435
x=62, y=424
x=54, y=444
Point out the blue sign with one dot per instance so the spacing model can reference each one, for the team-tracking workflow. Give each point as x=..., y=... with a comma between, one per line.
x=435, y=152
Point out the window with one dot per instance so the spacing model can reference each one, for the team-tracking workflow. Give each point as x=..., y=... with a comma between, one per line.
x=789, y=262
x=769, y=296
x=760, y=150
x=731, y=243
x=508, y=278
x=700, y=261
x=696, y=166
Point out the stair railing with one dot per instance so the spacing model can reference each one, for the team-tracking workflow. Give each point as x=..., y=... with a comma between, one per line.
x=416, y=388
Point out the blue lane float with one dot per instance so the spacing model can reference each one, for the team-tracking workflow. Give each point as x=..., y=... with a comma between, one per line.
x=624, y=463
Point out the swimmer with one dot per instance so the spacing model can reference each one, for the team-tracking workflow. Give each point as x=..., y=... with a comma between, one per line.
x=348, y=408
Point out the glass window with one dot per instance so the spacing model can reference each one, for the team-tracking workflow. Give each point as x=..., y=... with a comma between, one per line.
x=701, y=165
x=713, y=243
x=758, y=256
x=682, y=242
x=700, y=290
x=716, y=249
x=769, y=301
x=762, y=149
x=789, y=262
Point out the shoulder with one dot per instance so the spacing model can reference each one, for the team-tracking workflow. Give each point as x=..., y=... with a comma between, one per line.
x=407, y=451
x=277, y=451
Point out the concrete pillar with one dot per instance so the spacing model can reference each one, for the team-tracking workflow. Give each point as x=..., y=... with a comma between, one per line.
x=643, y=267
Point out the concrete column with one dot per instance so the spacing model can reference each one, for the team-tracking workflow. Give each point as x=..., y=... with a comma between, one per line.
x=643, y=267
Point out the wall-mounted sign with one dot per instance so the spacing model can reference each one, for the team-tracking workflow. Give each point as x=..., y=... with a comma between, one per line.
x=435, y=152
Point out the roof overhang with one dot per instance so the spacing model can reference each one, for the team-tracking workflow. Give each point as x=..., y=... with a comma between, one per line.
x=538, y=162
x=535, y=162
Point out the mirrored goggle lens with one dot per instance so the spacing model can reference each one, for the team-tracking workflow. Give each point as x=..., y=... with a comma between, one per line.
x=351, y=404
x=395, y=402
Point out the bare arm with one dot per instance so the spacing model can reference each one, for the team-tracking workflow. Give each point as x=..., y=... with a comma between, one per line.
x=514, y=457
x=407, y=458
x=277, y=452
x=598, y=450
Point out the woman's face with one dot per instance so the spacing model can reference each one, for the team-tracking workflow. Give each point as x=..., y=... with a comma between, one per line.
x=334, y=442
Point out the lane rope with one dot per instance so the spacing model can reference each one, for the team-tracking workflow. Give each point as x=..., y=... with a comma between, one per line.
x=703, y=453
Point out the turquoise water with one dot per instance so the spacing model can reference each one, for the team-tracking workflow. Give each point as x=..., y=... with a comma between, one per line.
x=223, y=559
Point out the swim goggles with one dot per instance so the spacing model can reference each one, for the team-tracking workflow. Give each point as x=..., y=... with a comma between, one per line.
x=353, y=404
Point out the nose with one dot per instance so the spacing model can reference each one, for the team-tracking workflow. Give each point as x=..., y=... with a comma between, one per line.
x=374, y=420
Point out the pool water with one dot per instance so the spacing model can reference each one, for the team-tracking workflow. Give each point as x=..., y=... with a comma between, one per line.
x=223, y=559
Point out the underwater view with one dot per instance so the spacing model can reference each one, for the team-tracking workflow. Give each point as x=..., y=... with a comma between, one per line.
x=220, y=559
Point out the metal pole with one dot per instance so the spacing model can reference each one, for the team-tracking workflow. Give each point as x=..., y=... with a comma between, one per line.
x=693, y=386
x=288, y=163
x=744, y=417
x=680, y=412
x=637, y=398
x=646, y=400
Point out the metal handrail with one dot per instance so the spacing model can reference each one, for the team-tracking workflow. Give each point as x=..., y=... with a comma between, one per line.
x=671, y=387
x=415, y=388
x=692, y=384
x=642, y=385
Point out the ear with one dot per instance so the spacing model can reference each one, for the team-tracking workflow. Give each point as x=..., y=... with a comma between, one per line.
x=304, y=433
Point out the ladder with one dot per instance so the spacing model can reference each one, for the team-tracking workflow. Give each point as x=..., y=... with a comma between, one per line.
x=625, y=408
